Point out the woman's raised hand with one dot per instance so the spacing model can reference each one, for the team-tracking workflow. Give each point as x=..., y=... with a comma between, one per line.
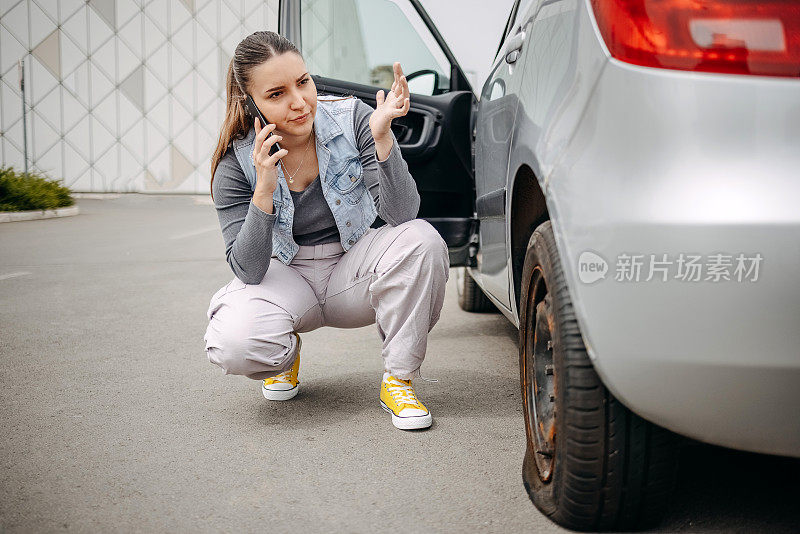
x=266, y=170
x=395, y=103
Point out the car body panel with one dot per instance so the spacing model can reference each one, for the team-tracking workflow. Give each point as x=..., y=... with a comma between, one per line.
x=497, y=111
x=556, y=75
x=705, y=165
x=648, y=161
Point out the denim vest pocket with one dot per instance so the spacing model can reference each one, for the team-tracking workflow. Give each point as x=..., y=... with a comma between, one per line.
x=349, y=182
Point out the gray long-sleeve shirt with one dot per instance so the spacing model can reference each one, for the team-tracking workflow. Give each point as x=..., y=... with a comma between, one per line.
x=247, y=230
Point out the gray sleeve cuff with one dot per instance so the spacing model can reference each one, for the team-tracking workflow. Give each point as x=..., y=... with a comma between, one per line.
x=261, y=214
x=250, y=253
x=393, y=159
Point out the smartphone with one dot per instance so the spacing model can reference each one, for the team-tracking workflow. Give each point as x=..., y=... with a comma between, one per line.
x=251, y=109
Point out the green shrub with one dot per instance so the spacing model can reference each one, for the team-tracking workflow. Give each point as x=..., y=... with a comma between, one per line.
x=32, y=191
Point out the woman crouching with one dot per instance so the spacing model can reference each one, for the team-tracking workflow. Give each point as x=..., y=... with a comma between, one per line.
x=296, y=199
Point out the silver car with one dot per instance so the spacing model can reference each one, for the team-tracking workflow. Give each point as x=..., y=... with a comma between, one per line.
x=625, y=192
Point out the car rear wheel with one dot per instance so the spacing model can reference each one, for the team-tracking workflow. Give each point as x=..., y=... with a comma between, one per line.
x=590, y=463
x=471, y=297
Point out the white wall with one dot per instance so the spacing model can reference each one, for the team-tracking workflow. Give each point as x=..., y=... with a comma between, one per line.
x=123, y=95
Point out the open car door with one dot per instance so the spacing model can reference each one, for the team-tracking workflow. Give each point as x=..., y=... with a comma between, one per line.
x=349, y=47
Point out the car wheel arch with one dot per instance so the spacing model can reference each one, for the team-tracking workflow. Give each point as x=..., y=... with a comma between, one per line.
x=528, y=209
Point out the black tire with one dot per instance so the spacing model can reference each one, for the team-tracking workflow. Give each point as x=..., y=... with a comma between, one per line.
x=471, y=297
x=607, y=469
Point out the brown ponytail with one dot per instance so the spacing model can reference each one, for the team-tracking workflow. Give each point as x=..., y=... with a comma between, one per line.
x=254, y=50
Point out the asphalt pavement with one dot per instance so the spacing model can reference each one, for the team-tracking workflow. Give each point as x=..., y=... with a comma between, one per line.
x=113, y=419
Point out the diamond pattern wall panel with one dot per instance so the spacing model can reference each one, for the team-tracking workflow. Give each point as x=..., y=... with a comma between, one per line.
x=41, y=25
x=49, y=53
x=15, y=20
x=107, y=9
x=75, y=27
x=130, y=33
x=51, y=162
x=10, y=51
x=74, y=164
x=10, y=102
x=122, y=95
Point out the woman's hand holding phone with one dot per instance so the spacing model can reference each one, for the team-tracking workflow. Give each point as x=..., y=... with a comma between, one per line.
x=266, y=165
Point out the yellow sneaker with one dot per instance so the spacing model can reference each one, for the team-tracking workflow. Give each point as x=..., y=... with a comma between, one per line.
x=285, y=385
x=398, y=398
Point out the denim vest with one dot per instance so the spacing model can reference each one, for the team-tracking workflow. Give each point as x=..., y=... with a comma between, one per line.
x=340, y=174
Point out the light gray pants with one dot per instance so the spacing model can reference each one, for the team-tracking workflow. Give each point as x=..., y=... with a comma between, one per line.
x=394, y=276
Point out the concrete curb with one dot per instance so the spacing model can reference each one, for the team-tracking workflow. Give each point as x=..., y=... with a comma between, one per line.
x=14, y=216
x=96, y=196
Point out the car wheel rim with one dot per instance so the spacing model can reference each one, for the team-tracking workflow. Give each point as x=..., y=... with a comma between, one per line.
x=539, y=387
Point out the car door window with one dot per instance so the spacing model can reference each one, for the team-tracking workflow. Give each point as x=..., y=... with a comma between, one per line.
x=358, y=41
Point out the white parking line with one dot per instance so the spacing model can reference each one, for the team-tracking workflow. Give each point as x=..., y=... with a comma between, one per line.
x=13, y=275
x=195, y=232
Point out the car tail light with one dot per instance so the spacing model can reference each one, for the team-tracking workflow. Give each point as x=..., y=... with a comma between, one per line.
x=728, y=36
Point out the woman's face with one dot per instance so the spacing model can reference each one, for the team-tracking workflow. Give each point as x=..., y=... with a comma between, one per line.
x=285, y=93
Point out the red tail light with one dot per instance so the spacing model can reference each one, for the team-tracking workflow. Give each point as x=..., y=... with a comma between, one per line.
x=728, y=36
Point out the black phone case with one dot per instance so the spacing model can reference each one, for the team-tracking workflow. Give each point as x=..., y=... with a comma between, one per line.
x=251, y=109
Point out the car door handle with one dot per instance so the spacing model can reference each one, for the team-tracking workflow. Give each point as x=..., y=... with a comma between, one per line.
x=513, y=47
x=400, y=131
x=425, y=142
